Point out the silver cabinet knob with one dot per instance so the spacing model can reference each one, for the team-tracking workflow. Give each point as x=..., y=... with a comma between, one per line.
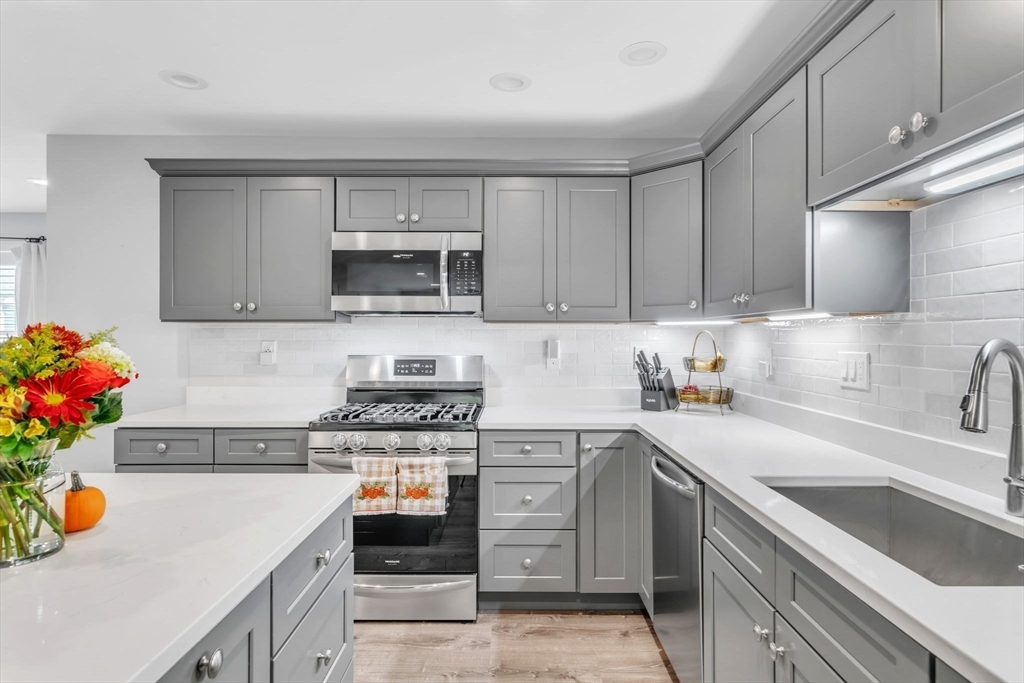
x=323, y=559
x=550, y=308
x=324, y=657
x=527, y=563
x=563, y=307
x=161, y=448
x=777, y=651
x=251, y=307
x=692, y=304
x=209, y=665
x=260, y=447
x=400, y=218
x=237, y=306
x=760, y=633
x=527, y=500
x=587, y=448
x=415, y=218
x=735, y=298
x=896, y=135
x=527, y=449
x=918, y=121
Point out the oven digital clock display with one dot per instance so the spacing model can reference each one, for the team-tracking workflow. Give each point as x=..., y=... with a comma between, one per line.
x=417, y=368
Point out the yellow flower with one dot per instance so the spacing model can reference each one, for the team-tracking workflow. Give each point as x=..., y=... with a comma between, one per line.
x=35, y=428
x=13, y=399
x=6, y=426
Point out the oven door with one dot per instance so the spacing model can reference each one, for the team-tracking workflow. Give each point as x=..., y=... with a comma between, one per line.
x=390, y=272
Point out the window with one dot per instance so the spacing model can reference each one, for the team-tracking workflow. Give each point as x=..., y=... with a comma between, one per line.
x=8, y=313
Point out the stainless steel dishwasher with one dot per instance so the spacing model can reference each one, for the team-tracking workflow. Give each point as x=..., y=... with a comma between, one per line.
x=677, y=499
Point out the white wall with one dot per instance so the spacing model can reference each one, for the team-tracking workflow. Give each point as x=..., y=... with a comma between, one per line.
x=22, y=225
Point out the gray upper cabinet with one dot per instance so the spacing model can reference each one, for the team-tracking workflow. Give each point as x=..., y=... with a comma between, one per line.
x=372, y=204
x=446, y=204
x=861, y=85
x=608, y=516
x=519, y=249
x=290, y=221
x=726, y=227
x=666, y=230
x=593, y=249
x=202, y=248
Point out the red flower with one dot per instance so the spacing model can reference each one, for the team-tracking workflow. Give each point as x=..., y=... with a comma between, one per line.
x=60, y=399
x=100, y=375
x=68, y=340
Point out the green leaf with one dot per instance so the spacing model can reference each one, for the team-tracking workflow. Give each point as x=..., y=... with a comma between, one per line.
x=110, y=409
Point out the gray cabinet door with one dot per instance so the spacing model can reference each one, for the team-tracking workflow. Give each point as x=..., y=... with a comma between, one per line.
x=530, y=561
x=733, y=651
x=260, y=447
x=163, y=446
x=290, y=222
x=372, y=204
x=608, y=518
x=973, y=53
x=593, y=249
x=745, y=543
x=860, y=85
x=202, y=248
x=667, y=235
x=646, y=528
x=726, y=227
x=798, y=662
x=243, y=640
x=528, y=449
x=519, y=249
x=527, y=497
x=446, y=204
x=780, y=268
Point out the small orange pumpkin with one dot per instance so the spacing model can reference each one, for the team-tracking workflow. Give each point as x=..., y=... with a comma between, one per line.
x=83, y=505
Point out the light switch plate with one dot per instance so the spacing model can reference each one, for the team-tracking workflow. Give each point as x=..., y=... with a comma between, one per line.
x=855, y=370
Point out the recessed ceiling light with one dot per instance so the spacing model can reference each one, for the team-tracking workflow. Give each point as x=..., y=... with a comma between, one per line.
x=180, y=79
x=642, y=54
x=509, y=82
x=38, y=181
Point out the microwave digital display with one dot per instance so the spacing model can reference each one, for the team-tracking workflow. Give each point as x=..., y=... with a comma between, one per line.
x=422, y=367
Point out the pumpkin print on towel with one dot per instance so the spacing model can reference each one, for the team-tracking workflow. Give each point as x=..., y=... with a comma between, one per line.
x=372, y=490
x=419, y=490
x=422, y=485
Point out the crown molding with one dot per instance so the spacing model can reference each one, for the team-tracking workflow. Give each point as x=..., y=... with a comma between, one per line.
x=389, y=167
x=654, y=161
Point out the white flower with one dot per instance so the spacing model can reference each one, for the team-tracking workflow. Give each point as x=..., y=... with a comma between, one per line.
x=118, y=360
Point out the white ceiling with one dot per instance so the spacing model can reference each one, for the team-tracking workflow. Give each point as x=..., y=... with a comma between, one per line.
x=415, y=68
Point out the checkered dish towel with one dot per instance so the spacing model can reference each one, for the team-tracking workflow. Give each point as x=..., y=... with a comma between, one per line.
x=378, y=486
x=422, y=486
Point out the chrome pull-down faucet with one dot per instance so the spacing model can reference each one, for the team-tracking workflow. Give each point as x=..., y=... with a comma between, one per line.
x=974, y=413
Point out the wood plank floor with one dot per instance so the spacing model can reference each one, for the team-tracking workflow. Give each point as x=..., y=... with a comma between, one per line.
x=589, y=647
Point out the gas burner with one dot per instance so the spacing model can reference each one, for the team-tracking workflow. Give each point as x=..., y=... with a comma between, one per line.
x=399, y=416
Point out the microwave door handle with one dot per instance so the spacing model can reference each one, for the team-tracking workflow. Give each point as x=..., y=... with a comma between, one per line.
x=445, y=298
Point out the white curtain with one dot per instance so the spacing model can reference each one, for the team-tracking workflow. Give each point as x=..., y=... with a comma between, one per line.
x=30, y=282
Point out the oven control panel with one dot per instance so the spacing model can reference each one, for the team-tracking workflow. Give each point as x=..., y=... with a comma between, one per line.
x=464, y=269
x=418, y=367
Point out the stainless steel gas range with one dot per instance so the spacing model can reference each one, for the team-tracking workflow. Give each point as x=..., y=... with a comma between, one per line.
x=411, y=567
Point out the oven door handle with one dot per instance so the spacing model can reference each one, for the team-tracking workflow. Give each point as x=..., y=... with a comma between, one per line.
x=346, y=460
x=424, y=588
x=445, y=293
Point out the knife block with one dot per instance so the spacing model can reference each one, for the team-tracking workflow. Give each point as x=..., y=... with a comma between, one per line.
x=664, y=399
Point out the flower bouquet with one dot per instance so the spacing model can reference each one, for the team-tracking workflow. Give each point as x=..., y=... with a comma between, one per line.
x=55, y=385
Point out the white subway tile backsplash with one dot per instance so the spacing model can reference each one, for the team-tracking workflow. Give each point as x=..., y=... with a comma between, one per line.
x=989, y=226
x=989, y=279
x=958, y=258
x=1004, y=305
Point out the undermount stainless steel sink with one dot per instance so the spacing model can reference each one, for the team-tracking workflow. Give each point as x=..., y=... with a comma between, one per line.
x=943, y=546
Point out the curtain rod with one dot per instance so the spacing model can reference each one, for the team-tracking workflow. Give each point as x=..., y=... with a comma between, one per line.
x=24, y=239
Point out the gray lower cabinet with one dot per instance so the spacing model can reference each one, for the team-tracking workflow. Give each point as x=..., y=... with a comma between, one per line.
x=528, y=561
x=520, y=249
x=528, y=449
x=202, y=248
x=738, y=624
x=745, y=543
x=372, y=204
x=446, y=204
x=261, y=447
x=796, y=661
x=240, y=643
x=593, y=249
x=608, y=519
x=163, y=447
x=288, y=246
x=646, y=579
x=527, y=497
x=666, y=232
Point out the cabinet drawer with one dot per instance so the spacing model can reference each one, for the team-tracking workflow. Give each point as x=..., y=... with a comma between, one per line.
x=745, y=543
x=528, y=498
x=163, y=469
x=529, y=561
x=799, y=662
x=163, y=446
x=260, y=447
x=326, y=628
x=300, y=578
x=260, y=469
x=857, y=642
x=243, y=638
x=528, y=449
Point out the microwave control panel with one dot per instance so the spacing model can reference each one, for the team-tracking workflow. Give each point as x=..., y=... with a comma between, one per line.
x=465, y=278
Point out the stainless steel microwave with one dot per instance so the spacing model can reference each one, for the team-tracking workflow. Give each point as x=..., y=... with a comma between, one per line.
x=407, y=272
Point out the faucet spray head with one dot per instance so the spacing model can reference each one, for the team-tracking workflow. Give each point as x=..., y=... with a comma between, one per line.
x=974, y=412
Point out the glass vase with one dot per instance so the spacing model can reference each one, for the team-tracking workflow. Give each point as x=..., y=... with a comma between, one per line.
x=31, y=506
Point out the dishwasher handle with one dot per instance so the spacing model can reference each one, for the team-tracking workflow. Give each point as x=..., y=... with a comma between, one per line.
x=681, y=489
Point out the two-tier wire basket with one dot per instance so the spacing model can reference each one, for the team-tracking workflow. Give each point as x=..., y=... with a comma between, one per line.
x=692, y=394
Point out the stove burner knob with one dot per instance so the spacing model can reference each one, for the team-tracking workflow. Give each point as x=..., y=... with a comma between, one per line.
x=425, y=442
x=356, y=441
x=391, y=442
x=338, y=442
x=442, y=442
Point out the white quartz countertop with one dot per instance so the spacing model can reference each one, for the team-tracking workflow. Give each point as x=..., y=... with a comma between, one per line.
x=269, y=415
x=976, y=630
x=172, y=556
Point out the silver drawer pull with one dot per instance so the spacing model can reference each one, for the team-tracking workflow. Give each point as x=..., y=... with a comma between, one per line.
x=260, y=447
x=324, y=657
x=527, y=563
x=760, y=633
x=209, y=665
x=777, y=651
x=161, y=448
x=527, y=449
x=527, y=499
x=324, y=558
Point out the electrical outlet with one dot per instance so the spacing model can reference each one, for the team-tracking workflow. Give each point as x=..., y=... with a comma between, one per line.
x=765, y=364
x=268, y=352
x=855, y=370
x=554, y=353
